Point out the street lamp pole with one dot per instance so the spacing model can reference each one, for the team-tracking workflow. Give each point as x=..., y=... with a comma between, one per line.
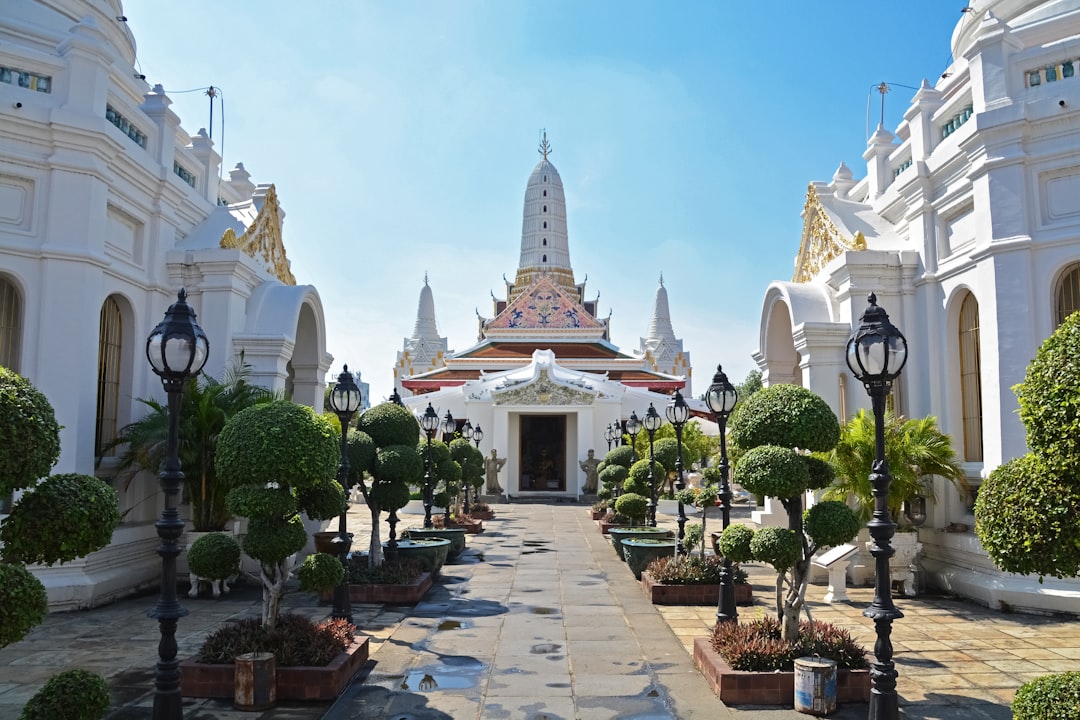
x=652, y=423
x=467, y=433
x=344, y=401
x=678, y=413
x=477, y=436
x=429, y=422
x=876, y=353
x=721, y=399
x=449, y=425
x=177, y=349
x=633, y=427
x=609, y=435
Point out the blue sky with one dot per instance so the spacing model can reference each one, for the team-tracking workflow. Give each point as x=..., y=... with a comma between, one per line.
x=400, y=136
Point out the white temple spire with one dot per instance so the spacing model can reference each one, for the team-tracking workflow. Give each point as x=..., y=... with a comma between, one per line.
x=660, y=325
x=660, y=349
x=545, y=248
x=425, y=350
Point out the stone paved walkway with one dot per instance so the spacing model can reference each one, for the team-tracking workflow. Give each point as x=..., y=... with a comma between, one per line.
x=540, y=620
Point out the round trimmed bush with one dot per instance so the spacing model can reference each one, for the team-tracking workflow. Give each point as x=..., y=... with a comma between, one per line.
x=735, y=543
x=638, y=479
x=785, y=415
x=324, y=502
x=64, y=517
x=1050, y=396
x=29, y=434
x=621, y=455
x=820, y=473
x=613, y=475
x=772, y=471
x=1050, y=697
x=398, y=463
x=666, y=452
x=1025, y=518
x=271, y=542
x=633, y=506
x=390, y=495
x=360, y=449
x=253, y=501
x=279, y=442
x=319, y=572
x=215, y=556
x=390, y=424
x=71, y=695
x=23, y=603
x=779, y=547
x=831, y=523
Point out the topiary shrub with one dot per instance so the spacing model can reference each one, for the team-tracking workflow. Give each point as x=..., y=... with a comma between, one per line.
x=622, y=455
x=70, y=695
x=320, y=572
x=613, y=476
x=1048, y=397
x=638, y=479
x=1050, y=697
x=772, y=471
x=735, y=543
x=23, y=603
x=252, y=501
x=786, y=415
x=633, y=507
x=830, y=523
x=215, y=556
x=325, y=502
x=29, y=434
x=780, y=547
x=64, y=517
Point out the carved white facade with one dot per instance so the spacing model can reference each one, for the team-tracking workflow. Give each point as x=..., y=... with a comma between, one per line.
x=107, y=208
x=967, y=227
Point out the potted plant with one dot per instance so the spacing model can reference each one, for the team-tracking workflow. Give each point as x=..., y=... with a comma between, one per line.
x=639, y=552
x=213, y=558
x=395, y=582
x=70, y=695
x=59, y=519
x=691, y=580
x=320, y=572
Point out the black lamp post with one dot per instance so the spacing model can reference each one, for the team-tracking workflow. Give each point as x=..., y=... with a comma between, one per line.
x=177, y=350
x=344, y=401
x=876, y=353
x=429, y=422
x=477, y=436
x=652, y=423
x=449, y=425
x=609, y=435
x=678, y=413
x=467, y=433
x=721, y=398
x=633, y=427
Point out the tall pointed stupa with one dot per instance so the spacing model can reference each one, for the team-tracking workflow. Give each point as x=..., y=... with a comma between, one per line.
x=663, y=351
x=425, y=350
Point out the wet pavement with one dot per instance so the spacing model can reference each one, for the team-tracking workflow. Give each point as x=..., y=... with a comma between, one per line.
x=540, y=620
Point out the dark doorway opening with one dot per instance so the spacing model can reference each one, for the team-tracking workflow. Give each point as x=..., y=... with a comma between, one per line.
x=543, y=453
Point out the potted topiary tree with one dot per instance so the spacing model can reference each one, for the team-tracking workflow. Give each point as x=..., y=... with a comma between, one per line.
x=213, y=558
x=70, y=695
x=278, y=459
x=1026, y=510
x=320, y=573
x=57, y=520
x=777, y=427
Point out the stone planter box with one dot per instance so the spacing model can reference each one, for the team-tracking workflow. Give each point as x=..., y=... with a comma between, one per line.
x=661, y=594
x=597, y=514
x=471, y=527
x=606, y=526
x=199, y=680
x=388, y=594
x=482, y=514
x=740, y=687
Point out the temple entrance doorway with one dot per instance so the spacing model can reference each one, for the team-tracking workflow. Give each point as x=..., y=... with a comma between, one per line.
x=543, y=453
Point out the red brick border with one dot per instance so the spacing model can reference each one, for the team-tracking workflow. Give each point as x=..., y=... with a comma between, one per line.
x=739, y=687
x=385, y=593
x=661, y=594
x=200, y=680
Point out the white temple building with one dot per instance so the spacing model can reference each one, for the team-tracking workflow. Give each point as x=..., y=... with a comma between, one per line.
x=967, y=227
x=108, y=206
x=543, y=380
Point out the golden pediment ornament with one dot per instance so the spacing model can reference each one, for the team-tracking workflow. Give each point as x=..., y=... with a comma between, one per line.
x=821, y=240
x=542, y=392
x=263, y=239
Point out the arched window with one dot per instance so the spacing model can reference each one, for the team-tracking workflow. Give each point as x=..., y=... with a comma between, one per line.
x=545, y=242
x=545, y=178
x=543, y=259
x=10, y=325
x=110, y=343
x=1068, y=294
x=971, y=379
x=545, y=224
x=545, y=193
x=545, y=208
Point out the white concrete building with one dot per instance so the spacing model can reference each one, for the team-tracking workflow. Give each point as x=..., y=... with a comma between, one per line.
x=107, y=208
x=967, y=226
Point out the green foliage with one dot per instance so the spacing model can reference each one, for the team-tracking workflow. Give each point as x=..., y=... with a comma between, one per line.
x=786, y=415
x=254, y=501
x=392, y=572
x=294, y=639
x=390, y=495
x=819, y=472
x=29, y=435
x=323, y=502
x=637, y=480
x=613, y=475
x=622, y=455
x=687, y=569
x=633, y=506
x=693, y=535
x=360, y=449
x=390, y=424
x=1025, y=517
x=1050, y=397
x=750, y=385
x=319, y=572
x=1050, y=697
x=778, y=547
x=735, y=543
x=758, y=646
x=215, y=556
x=70, y=695
x=398, y=464
x=773, y=471
x=696, y=445
x=64, y=517
x=271, y=541
x=23, y=603
x=914, y=449
x=206, y=405
x=831, y=523
x=666, y=451
x=279, y=442
x=441, y=499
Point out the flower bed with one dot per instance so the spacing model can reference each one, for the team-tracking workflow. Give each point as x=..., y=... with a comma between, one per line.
x=663, y=594
x=391, y=594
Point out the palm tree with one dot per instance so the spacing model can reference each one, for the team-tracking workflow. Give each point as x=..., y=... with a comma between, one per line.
x=206, y=405
x=915, y=449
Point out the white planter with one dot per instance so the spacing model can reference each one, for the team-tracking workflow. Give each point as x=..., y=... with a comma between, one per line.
x=902, y=564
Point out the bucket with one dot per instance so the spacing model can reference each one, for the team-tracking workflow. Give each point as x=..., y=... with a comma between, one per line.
x=255, y=686
x=815, y=685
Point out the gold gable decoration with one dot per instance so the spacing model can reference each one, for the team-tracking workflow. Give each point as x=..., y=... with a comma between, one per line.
x=263, y=238
x=543, y=392
x=821, y=240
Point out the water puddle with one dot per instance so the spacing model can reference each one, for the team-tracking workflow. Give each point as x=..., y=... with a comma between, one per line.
x=545, y=648
x=452, y=625
x=455, y=672
x=544, y=611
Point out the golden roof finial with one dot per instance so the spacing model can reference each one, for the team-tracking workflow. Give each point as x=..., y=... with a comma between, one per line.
x=545, y=147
